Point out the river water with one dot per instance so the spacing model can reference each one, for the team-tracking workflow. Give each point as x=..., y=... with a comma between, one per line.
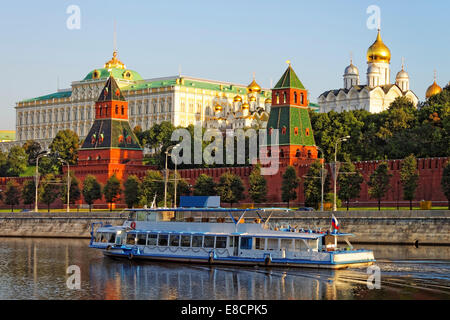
x=36, y=269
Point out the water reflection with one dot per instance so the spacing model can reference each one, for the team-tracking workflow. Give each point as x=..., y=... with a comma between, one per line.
x=36, y=269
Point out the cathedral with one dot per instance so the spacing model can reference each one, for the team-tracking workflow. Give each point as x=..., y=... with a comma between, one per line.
x=378, y=93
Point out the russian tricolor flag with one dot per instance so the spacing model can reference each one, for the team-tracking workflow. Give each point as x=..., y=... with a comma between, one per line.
x=334, y=222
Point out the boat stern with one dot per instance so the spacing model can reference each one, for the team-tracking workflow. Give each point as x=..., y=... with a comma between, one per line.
x=352, y=258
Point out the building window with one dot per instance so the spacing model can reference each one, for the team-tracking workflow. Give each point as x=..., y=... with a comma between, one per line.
x=284, y=97
x=295, y=97
x=296, y=131
x=283, y=130
x=302, y=99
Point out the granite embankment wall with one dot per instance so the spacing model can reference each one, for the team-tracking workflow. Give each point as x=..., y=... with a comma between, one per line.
x=403, y=227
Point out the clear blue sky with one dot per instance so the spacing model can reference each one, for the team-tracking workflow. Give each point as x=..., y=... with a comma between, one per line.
x=221, y=40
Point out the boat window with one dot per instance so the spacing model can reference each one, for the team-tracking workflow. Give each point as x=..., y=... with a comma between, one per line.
x=209, y=242
x=141, y=216
x=185, y=240
x=246, y=243
x=286, y=243
x=151, y=239
x=175, y=240
x=221, y=242
x=272, y=244
x=131, y=238
x=141, y=239
x=300, y=245
x=197, y=241
x=163, y=240
x=132, y=216
x=98, y=237
x=259, y=243
x=112, y=237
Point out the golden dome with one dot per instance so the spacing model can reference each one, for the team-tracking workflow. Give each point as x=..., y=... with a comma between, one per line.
x=252, y=98
x=237, y=98
x=114, y=63
x=268, y=101
x=253, y=87
x=378, y=51
x=433, y=90
x=218, y=108
x=245, y=105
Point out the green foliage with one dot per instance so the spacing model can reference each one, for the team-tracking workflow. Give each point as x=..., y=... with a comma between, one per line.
x=49, y=189
x=50, y=164
x=257, y=185
x=74, y=191
x=12, y=194
x=349, y=180
x=204, y=186
x=16, y=161
x=289, y=185
x=445, y=182
x=65, y=145
x=131, y=191
x=152, y=184
x=183, y=188
x=379, y=182
x=329, y=197
x=409, y=177
x=230, y=188
x=92, y=190
x=112, y=190
x=32, y=149
x=312, y=186
x=28, y=192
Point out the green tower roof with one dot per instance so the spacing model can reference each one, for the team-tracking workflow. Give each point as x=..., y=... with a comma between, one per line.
x=289, y=80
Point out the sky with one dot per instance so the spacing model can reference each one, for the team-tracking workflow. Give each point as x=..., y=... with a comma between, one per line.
x=220, y=40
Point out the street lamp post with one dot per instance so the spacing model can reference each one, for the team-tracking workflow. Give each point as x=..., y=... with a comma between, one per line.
x=68, y=182
x=336, y=169
x=167, y=175
x=36, y=180
x=321, y=178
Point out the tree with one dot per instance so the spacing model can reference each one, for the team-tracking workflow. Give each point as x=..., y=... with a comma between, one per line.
x=3, y=164
x=257, y=185
x=32, y=149
x=230, y=188
x=445, y=182
x=12, y=194
x=16, y=162
x=28, y=192
x=152, y=184
x=312, y=186
x=112, y=191
x=289, y=185
x=204, y=186
x=379, y=182
x=92, y=190
x=131, y=191
x=65, y=145
x=74, y=191
x=409, y=178
x=349, y=181
x=49, y=190
x=182, y=188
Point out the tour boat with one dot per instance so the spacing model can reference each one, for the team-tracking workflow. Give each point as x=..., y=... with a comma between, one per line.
x=205, y=235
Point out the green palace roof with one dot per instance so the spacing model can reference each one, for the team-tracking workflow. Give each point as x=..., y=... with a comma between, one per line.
x=117, y=73
x=56, y=95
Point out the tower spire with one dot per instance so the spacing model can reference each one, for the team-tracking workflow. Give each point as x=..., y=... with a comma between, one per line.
x=115, y=35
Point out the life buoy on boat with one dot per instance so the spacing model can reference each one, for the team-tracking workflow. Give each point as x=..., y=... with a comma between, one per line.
x=133, y=225
x=130, y=256
x=108, y=248
x=211, y=257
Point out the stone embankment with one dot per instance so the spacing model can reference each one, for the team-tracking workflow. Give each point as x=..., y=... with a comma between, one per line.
x=399, y=227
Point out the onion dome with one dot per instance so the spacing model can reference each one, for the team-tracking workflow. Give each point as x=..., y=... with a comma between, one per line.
x=252, y=99
x=373, y=69
x=245, y=106
x=378, y=51
x=253, y=87
x=433, y=90
x=218, y=108
x=114, y=63
x=351, y=70
x=237, y=98
x=268, y=101
x=402, y=75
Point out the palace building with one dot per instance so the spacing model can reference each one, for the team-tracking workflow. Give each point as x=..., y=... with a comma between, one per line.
x=378, y=93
